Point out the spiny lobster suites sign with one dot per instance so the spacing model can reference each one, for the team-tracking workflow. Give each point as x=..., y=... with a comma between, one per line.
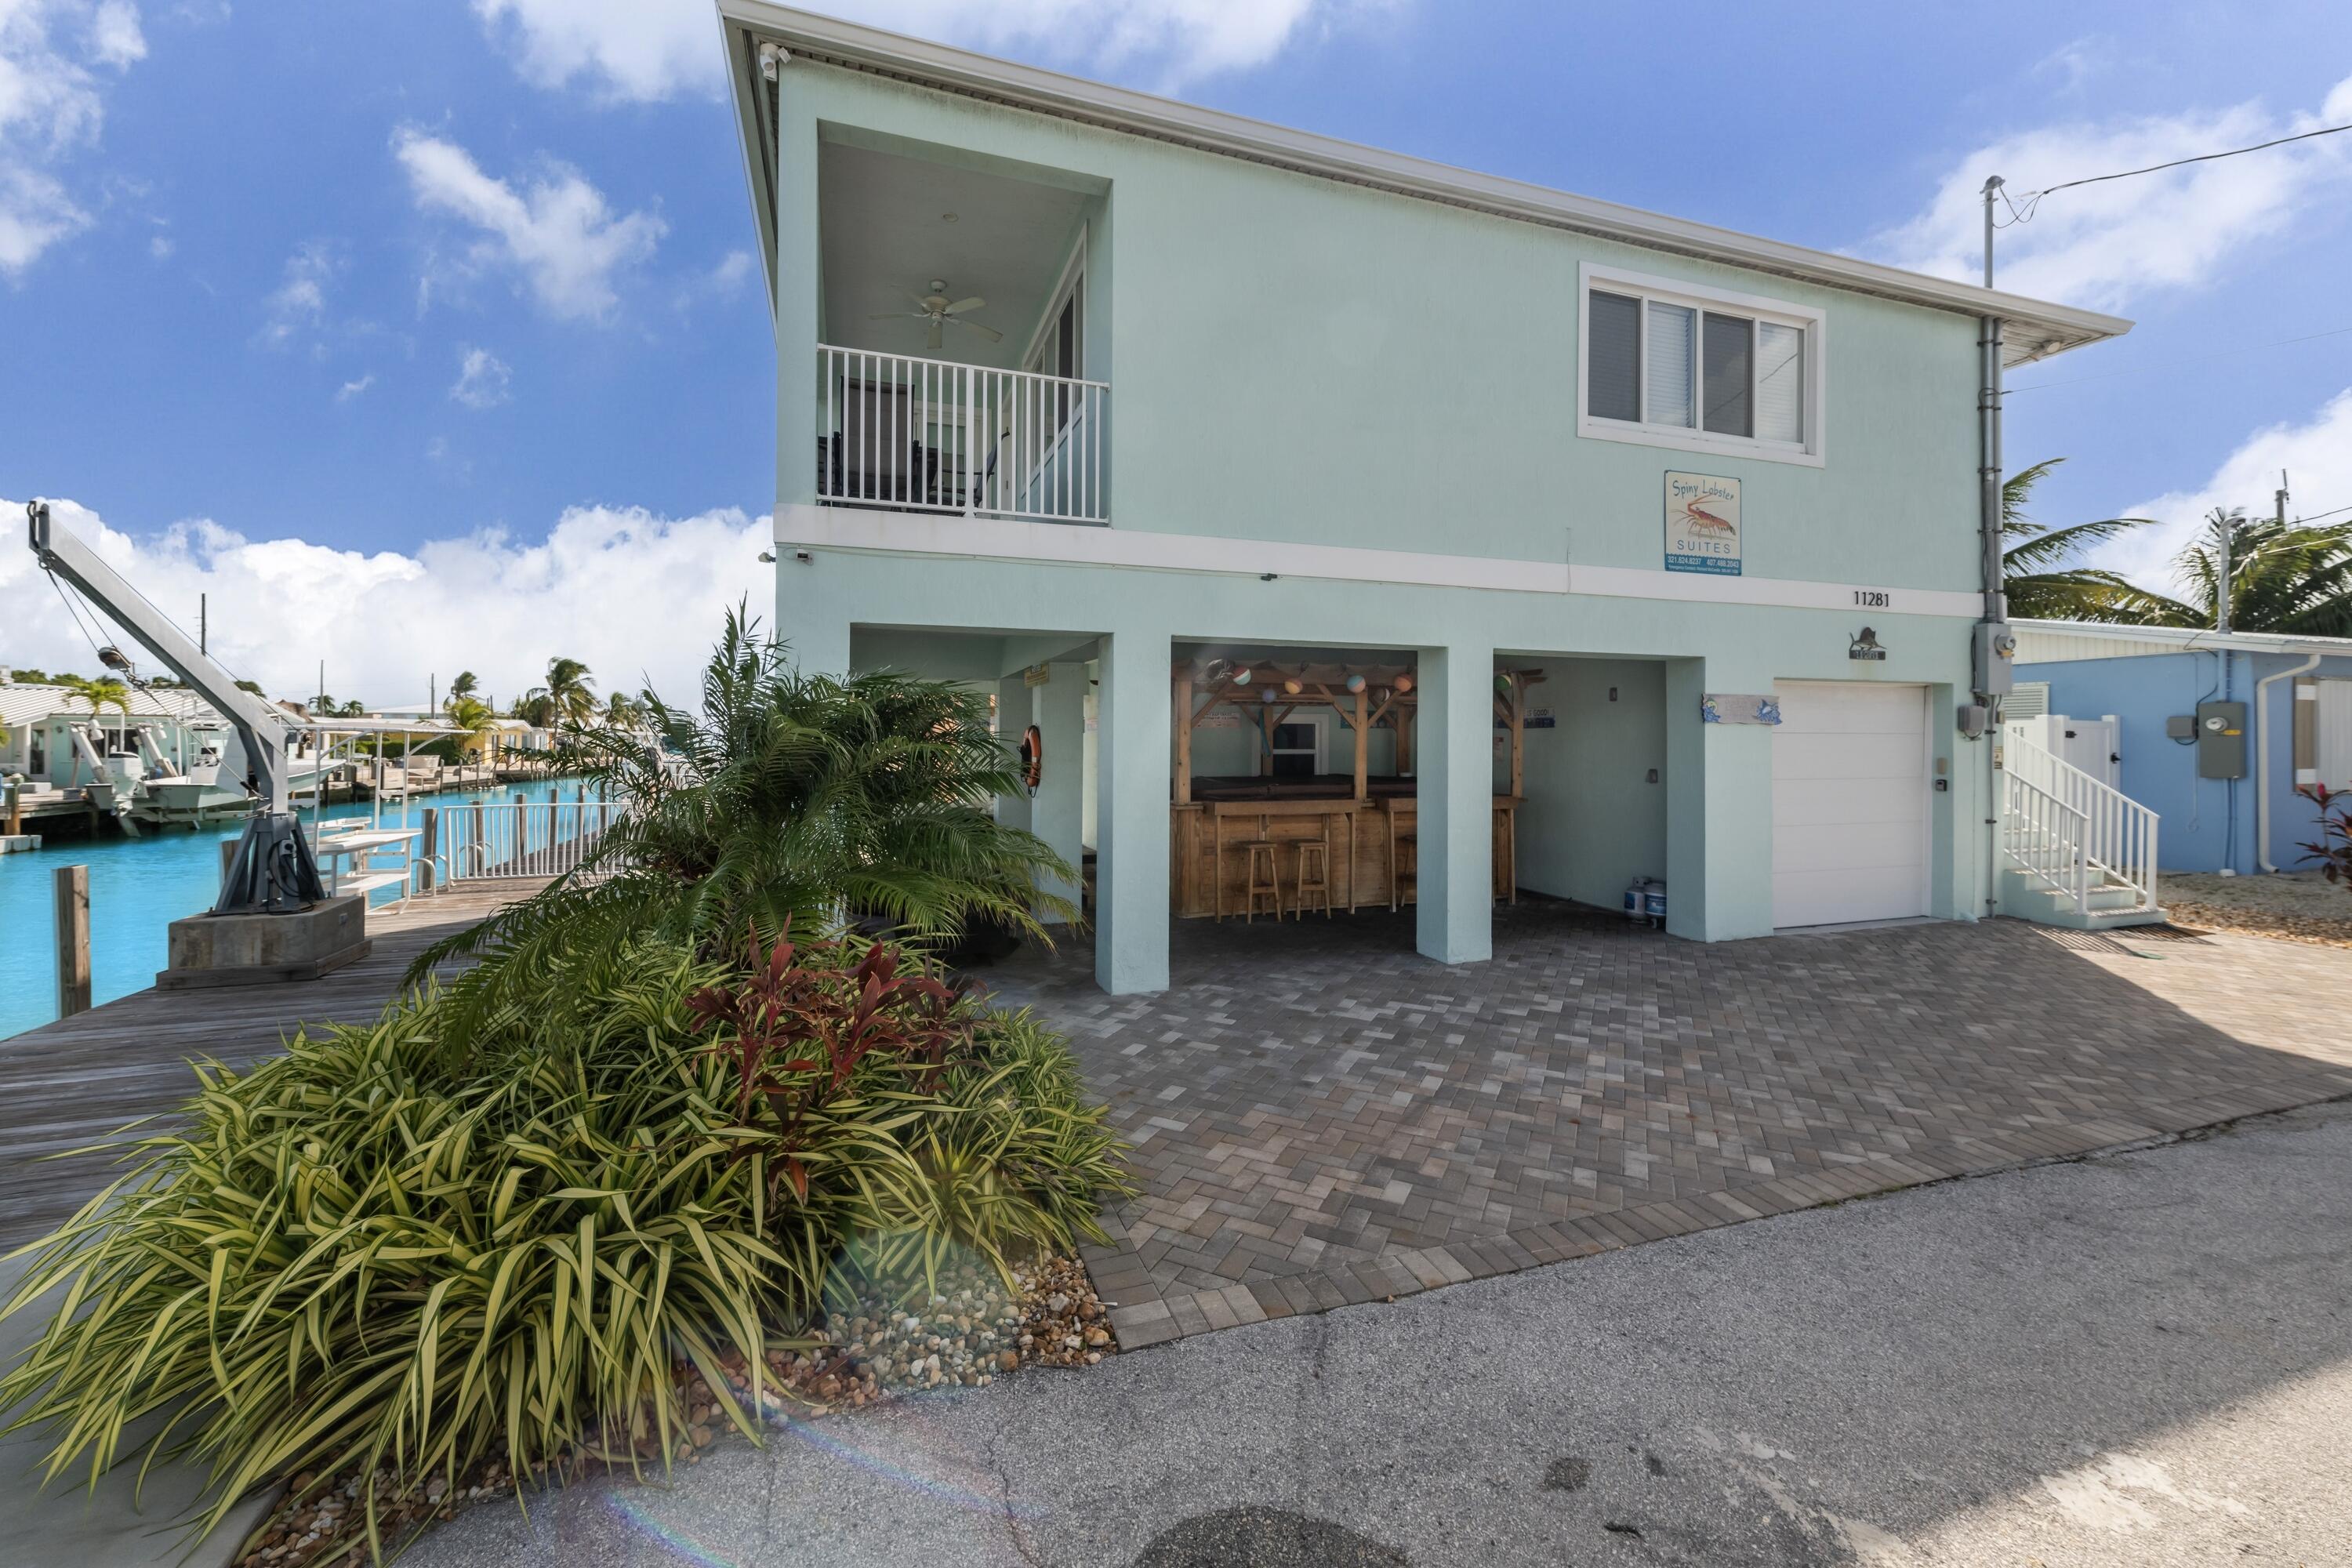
x=1701, y=524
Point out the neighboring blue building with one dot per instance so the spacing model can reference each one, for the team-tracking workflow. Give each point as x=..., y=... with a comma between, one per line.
x=2297, y=731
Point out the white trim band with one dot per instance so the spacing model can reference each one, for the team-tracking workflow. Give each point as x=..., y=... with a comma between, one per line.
x=1066, y=544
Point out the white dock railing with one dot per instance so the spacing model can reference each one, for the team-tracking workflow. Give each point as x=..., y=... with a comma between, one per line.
x=500, y=841
x=2074, y=832
x=933, y=435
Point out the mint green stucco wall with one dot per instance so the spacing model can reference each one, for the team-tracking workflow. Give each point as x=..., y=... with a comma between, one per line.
x=1296, y=359
x=1591, y=818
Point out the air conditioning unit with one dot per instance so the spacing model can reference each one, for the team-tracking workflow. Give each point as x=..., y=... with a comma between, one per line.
x=2026, y=700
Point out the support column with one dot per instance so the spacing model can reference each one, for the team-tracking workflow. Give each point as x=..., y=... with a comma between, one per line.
x=1057, y=814
x=1455, y=722
x=1012, y=715
x=1131, y=733
x=1719, y=811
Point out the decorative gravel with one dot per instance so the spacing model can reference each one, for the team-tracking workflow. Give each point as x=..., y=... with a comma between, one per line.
x=969, y=1332
x=2293, y=906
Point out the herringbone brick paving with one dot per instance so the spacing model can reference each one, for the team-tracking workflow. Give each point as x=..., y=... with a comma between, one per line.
x=1321, y=1116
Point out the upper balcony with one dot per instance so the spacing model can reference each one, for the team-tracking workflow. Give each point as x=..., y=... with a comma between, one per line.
x=961, y=355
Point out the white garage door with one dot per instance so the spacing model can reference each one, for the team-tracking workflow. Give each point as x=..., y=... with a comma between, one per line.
x=1849, y=803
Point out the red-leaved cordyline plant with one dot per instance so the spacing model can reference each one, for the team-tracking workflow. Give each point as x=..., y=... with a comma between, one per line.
x=2334, y=850
x=802, y=1021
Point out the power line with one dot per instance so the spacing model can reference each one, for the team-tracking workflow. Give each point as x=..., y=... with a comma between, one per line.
x=2176, y=363
x=2033, y=198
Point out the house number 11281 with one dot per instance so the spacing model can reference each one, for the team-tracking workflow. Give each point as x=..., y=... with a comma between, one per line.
x=1873, y=598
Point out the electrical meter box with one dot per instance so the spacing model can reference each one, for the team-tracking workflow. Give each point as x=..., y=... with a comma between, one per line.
x=2220, y=740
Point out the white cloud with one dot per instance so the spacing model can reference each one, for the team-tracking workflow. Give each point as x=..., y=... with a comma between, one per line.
x=114, y=35
x=483, y=379
x=51, y=105
x=557, y=231
x=352, y=389
x=636, y=51
x=2316, y=457
x=635, y=595
x=299, y=301
x=2104, y=245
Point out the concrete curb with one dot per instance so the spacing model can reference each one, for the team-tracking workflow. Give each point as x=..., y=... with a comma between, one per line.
x=65, y=1525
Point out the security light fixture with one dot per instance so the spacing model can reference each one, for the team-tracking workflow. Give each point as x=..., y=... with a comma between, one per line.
x=767, y=558
x=1865, y=645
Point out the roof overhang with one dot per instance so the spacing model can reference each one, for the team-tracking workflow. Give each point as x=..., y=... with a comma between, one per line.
x=2033, y=329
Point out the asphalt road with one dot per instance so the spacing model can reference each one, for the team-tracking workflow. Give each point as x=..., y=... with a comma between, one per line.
x=2136, y=1360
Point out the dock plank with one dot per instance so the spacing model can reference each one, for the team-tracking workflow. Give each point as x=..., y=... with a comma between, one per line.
x=71, y=1083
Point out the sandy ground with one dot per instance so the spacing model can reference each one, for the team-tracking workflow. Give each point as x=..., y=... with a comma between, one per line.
x=2295, y=905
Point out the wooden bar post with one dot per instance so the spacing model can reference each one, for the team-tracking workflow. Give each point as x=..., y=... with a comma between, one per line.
x=1363, y=754
x=428, y=846
x=1518, y=737
x=16, y=808
x=1183, y=706
x=72, y=884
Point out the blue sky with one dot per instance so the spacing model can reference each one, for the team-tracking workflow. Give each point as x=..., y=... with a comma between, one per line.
x=426, y=334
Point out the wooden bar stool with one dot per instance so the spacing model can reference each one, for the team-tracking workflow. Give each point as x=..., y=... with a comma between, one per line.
x=1316, y=880
x=1404, y=863
x=1268, y=886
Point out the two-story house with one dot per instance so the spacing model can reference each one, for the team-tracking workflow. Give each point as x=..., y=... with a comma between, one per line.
x=1341, y=529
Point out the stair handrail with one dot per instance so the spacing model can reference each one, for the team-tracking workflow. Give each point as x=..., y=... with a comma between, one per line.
x=2119, y=834
x=2042, y=836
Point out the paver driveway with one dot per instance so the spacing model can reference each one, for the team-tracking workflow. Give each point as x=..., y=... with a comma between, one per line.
x=1321, y=1116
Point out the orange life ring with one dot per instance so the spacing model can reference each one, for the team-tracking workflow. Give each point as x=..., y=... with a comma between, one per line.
x=1033, y=757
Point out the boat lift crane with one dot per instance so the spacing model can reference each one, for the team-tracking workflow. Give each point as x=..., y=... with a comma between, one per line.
x=273, y=871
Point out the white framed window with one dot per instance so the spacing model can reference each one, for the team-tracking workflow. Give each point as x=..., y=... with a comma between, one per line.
x=1299, y=746
x=1665, y=363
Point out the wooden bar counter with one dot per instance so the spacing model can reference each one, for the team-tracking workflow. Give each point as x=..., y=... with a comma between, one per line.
x=1363, y=840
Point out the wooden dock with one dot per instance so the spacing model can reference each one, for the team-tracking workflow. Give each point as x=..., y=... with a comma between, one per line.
x=71, y=1083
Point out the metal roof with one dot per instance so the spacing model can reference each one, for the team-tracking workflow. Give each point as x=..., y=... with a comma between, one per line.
x=26, y=704
x=2034, y=328
x=2053, y=641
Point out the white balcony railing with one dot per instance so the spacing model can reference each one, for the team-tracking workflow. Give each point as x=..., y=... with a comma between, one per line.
x=932, y=435
x=500, y=841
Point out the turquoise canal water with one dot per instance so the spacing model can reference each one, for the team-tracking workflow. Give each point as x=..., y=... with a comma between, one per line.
x=137, y=887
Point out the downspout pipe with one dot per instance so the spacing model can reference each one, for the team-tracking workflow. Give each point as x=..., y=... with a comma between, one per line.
x=1993, y=643
x=2263, y=757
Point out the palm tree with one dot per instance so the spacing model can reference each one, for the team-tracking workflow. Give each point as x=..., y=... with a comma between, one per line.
x=473, y=716
x=622, y=711
x=105, y=691
x=2286, y=577
x=2034, y=569
x=574, y=693
x=466, y=684
x=538, y=708
x=788, y=799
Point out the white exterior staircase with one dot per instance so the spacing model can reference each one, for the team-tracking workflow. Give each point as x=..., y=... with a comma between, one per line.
x=2075, y=851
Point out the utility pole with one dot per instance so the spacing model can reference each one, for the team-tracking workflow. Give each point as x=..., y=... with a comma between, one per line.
x=204, y=622
x=1993, y=644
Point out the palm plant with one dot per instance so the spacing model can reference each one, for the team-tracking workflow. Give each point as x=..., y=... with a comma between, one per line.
x=538, y=708
x=473, y=716
x=466, y=684
x=104, y=692
x=788, y=800
x=574, y=693
x=622, y=711
x=2036, y=560
x=2287, y=577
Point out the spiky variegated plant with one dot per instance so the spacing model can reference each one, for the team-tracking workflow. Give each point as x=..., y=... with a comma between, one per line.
x=787, y=799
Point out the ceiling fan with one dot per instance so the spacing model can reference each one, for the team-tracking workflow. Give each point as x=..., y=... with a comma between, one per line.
x=939, y=311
